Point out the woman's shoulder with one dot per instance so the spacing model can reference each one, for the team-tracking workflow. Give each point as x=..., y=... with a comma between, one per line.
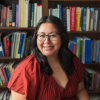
x=27, y=67
x=27, y=63
x=22, y=77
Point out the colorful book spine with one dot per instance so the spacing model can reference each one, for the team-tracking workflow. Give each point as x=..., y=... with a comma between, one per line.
x=84, y=19
x=72, y=18
x=22, y=13
x=20, y=45
x=77, y=22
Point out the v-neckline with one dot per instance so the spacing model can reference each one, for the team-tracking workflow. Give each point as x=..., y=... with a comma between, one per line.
x=57, y=86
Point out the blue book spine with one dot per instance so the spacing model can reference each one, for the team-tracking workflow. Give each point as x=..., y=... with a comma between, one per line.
x=64, y=17
x=8, y=75
x=20, y=46
x=1, y=50
x=84, y=19
x=97, y=51
x=86, y=51
x=71, y=45
x=89, y=51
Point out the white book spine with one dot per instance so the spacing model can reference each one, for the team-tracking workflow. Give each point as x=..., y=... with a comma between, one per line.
x=91, y=23
x=35, y=14
x=68, y=19
x=87, y=19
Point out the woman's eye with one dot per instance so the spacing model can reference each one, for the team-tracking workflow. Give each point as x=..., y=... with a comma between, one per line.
x=52, y=35
x=42, y=35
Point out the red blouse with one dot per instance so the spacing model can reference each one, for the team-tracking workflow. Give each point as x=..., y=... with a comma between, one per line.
x=29, y=80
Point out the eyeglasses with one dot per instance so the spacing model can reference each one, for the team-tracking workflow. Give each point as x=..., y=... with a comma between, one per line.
x=53, y=36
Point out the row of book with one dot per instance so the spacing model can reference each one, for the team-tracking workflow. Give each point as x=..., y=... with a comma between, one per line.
x=78, y=18
x=94, y=96
x=92, y=79
x=5, y=95
x=15, y=45
x=85, y=49
x=6, y=70
x=24, y=14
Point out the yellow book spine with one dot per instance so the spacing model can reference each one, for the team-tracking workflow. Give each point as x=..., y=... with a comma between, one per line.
x=22, y=12
x=77, y=22
x=17, y=45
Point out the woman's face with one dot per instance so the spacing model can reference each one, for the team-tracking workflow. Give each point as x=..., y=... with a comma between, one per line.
x=48, y=47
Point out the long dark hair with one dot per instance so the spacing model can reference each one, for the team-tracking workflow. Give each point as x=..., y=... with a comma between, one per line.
x=65, y=55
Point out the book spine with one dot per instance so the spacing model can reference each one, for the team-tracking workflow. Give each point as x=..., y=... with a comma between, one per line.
x=92, y=16
x=2, y=10
x=72, y=18
x=32, y=15
x=10, y=18
x=29, y=15
x=35, y=14
x=4, y=16
x=4, y=76
x=23, y=46
x=77, y=22
x=84, y=19
x=22, y=13
x=68, y=19
x=13, y=15
x=17, y=15
x=1, y=50
x=64, y=17
x=20, y=46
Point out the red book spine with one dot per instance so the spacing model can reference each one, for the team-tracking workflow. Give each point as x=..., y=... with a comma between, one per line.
x=94, y=81
x=5, y=46
x=74, y=48
x=4, y=16
x=72, y=18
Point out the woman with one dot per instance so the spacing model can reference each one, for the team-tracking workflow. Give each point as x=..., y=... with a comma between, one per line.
x=53, y=73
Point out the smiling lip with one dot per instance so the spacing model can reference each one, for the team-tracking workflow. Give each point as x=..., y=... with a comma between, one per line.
x=48, y=48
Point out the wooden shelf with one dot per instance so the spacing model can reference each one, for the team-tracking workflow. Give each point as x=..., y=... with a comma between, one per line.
x=3, y=87
x=18, y=28
x=82, y=32
x=74, y=0
x=8, y=59
x=96, y=91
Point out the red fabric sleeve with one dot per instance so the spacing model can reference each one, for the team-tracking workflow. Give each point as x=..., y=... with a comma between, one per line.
x=25, y=78
x=79, y=67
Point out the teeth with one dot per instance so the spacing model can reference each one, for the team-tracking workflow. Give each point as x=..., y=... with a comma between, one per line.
x=48, y=47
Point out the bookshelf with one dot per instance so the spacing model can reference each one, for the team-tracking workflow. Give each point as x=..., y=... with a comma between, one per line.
x=53, y=3
x=90, y=34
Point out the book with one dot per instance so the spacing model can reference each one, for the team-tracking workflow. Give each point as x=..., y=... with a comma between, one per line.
x=20, y=45
x=4, y=16
x=77, y=20
x=72, y=18
x=23, y=45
